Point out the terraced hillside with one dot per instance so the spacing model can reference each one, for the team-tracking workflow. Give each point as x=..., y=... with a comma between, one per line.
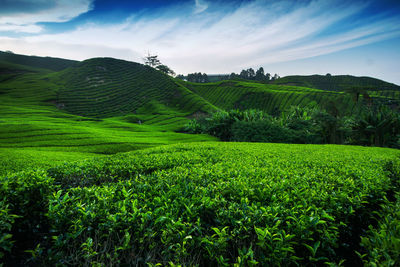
x=36, y=131
x=268, y=97
x=337, y=82
x=105, y=87
x=50, y=63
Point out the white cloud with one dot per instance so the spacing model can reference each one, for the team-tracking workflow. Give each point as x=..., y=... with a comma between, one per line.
x=200, y=6
x=63, y=50
x=256, y=33
x=30, y=28
x=54, y=11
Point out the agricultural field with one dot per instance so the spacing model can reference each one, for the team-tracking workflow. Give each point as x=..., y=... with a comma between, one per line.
x=336, y=82
x=36, y=129
x=33, y=135
x=270, y=98
x=208, y=204
x=95, y=170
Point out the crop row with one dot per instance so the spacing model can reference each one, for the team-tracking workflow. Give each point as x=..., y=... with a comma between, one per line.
x=269, y=98
x=202, y=204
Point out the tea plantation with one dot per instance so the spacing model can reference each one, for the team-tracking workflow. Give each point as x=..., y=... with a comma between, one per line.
x=205, y=204
x=95, y=171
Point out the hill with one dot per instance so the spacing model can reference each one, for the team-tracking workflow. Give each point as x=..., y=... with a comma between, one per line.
x=64, y=199
x=105, y=87
x=336, y=83
x=50, y=63
x=270, y=98
x=36, y=130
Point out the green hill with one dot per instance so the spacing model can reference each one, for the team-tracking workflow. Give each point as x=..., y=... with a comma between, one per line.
x=50, y=63
x=67, y=202
x=36, y=130
x=336, y=83
x=105, y=87
x=269, y=97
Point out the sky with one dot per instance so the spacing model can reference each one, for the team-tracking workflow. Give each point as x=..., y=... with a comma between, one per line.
x=287, y=37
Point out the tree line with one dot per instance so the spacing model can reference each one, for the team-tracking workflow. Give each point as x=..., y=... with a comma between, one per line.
x=246, y=74
x=250, y=74
x=373, y=126
x=196, y=77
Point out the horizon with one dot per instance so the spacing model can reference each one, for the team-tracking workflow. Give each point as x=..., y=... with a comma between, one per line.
x=359, y=38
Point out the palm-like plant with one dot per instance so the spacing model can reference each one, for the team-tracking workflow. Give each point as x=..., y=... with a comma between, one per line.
x=376, y=126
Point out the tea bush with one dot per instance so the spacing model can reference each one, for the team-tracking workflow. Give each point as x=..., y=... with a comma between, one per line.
x=23, y=209
x=207, y=204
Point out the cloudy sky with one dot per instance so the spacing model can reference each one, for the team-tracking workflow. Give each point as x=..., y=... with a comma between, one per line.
x=287, y=37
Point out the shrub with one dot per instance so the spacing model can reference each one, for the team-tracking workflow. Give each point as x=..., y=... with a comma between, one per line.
x=260, y=131
x=26, y=195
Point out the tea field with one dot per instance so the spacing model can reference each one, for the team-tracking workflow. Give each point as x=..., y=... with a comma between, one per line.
x=94, y=171
x=241, y=204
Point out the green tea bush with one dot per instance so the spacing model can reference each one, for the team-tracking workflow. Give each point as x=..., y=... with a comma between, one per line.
x=382, y=243
x=235, y=204
x=6, y=222
x=26, y=195
x=261, y=131
x=206, y=204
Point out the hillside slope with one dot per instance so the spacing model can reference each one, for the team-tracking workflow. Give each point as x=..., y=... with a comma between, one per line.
x=269, y=97
x=50, y=63
x=105, y=87
x=336, y=83
x=35, y=130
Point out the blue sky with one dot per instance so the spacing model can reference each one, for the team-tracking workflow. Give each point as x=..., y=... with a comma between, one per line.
x=360, y=38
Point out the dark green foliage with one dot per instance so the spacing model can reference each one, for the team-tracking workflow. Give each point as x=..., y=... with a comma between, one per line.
x=197, y=77
x=6, y=222
x=303, y=125
x=252, y=75
x=378, y=126
x=165, y=69
x=209, y=204
x=267, y=131
x=382, y=243
x=26, y=195
x=220, y=123
x=297, y=125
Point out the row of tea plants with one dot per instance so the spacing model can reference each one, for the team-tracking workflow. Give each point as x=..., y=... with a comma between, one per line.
x=206, y=204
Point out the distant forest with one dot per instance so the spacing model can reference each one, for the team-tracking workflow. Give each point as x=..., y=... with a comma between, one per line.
x=246, y=74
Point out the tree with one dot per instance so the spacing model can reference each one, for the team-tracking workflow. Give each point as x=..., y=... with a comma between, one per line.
x=260, y=76
x=198, y=77
x=151, y=60
x=251, y=74
x=276, y=77
x=244, y=74
x=165, y=69
x=154, y=62
x=205, y=78
x=376, y=126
